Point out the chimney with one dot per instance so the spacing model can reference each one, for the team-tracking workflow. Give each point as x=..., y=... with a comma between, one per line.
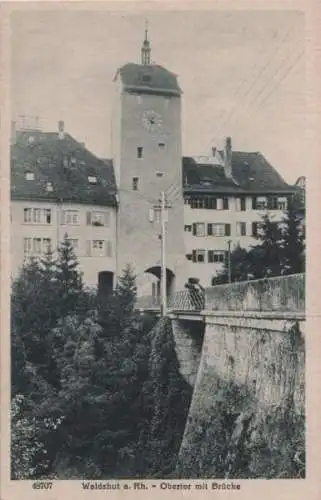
x=213, y=152
x=228, y=157
x=61, y=129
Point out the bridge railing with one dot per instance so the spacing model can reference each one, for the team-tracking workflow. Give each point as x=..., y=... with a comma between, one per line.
x=282, y=293
x=186, y=301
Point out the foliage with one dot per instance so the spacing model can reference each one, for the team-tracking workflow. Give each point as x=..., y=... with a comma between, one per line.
x=83, y=375
x=281, y=250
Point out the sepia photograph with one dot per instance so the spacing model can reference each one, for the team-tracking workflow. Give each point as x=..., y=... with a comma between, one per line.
x=157, y=246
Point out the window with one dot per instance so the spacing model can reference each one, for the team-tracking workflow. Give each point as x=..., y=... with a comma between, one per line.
x=27, y=215
x=217, y=256
x=30, y=176
x=161, y=145
x=261, y=203
x=225, y=203
x=219, y=229
x=189, y=256
x=139, y=152
x=37, y=215
x=74, y=243
x=46, y=245
x=27, y=246
x=256, y=226
x=70, y=217
x=135, y=183
x=241, y=204
x=146, y=78
x=188, y=228
x=198, y=256
x=49, y=187
x=92, y=179
x=282, y=203
x=241, y=228
x=37, y=246
x=98, y=248
x=97, y=218
x=199, y=229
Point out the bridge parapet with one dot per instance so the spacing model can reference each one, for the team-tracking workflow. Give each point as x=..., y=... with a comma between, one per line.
x=282, y=294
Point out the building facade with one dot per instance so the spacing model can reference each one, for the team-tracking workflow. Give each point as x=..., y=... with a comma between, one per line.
x=109, y=209
x=59, y=188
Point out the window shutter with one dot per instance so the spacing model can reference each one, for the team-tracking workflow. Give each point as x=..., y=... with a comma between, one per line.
x=254, y=228
x=88, y=248
x=243, y=204
x=88, y=215
x=62, y=217
x=209, y=229
x=225, y=203
x=227, y=229
x=194, y=255
x=243, y=228
x=194, y=228
x=254, y=202
x=108, y=249
x=106, y=219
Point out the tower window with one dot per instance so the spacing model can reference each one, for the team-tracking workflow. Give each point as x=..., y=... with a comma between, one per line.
x=146, y=78
x=139, y=152
x=135, y=183
x=30, y=176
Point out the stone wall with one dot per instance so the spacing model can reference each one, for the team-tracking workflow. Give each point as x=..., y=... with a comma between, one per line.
x=247, y=412
x=188, y=336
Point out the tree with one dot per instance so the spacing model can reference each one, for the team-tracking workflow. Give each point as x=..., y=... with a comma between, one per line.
x=69, y=278
x=240, y=267
x=265, y=259
x=293, y=258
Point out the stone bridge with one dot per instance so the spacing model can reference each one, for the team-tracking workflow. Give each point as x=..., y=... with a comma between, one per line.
x=244, y=355
x=231, y=315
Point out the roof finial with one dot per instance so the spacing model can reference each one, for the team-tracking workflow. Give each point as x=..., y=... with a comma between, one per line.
x=146, y=46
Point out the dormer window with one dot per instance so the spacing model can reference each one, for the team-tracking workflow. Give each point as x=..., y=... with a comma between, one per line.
x=92, y=179
x=30, y=176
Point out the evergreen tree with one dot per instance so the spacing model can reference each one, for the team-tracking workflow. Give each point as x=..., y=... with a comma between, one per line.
x=69, y=278
x=293, y=258
x=266, y=258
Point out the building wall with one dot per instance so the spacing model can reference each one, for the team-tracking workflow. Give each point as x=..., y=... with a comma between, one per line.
x=91, y=260
x=138, y=238
x=206, y=271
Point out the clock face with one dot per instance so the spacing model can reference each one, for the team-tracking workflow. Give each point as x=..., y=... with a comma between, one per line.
x=152, y=121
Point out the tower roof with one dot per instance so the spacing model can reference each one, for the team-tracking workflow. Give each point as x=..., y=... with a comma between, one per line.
x=148, y=78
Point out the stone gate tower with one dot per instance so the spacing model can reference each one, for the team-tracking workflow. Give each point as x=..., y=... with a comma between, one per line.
x=146, y=149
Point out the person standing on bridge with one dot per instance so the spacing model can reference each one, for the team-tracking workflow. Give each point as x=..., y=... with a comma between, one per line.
x=196, y=293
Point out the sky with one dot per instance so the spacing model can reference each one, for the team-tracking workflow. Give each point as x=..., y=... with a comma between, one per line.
x=242, y=74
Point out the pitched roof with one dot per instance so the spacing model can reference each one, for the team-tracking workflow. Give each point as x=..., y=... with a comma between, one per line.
x=251, y=172
x=63, y=162
x=148, y=78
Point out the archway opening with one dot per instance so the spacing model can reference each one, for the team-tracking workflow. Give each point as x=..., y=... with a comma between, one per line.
x=156, y=284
